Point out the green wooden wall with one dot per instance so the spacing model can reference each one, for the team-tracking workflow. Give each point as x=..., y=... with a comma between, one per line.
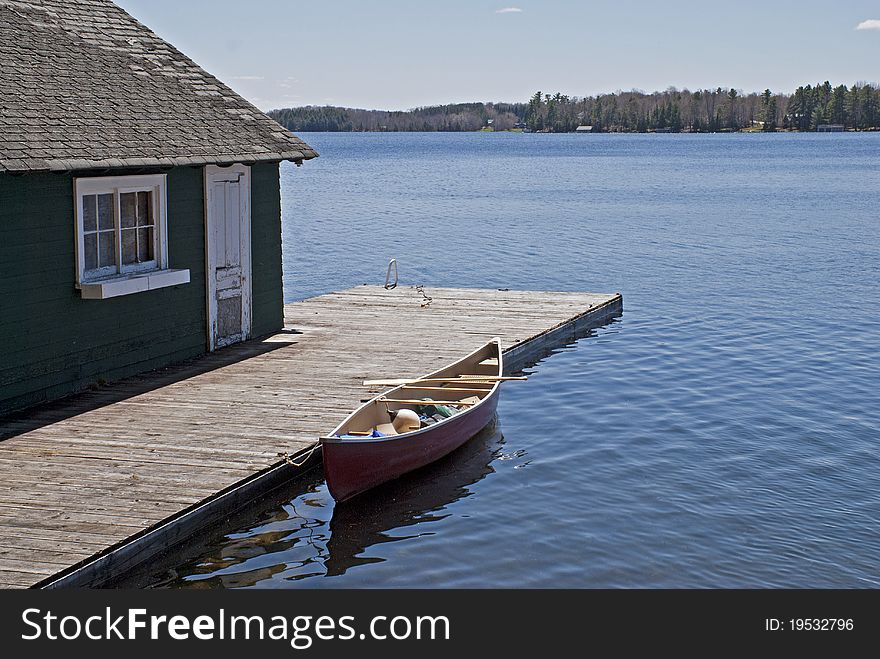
x=53, y=343
x=266, y=279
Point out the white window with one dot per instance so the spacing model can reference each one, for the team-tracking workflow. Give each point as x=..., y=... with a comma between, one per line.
x=122, y=243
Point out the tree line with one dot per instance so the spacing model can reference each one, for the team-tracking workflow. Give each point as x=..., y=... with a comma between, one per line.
x=452, y=118
x=673, y=110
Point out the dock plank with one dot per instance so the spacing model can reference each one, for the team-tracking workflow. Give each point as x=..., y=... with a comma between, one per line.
x=84, y=474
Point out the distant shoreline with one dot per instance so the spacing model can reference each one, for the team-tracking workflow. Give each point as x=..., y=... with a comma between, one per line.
x=819, y=108
x=743, y=131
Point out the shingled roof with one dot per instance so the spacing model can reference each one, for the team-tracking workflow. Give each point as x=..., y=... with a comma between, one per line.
x=83, y=85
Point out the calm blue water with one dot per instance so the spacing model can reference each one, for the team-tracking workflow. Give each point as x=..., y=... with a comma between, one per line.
x=725, y=432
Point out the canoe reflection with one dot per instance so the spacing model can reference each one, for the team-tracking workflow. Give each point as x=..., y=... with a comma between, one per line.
x=416, y=498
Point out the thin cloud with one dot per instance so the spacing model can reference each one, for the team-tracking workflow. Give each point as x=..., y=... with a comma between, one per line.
x=248, y=78
x=509, y=10
x=870, y=24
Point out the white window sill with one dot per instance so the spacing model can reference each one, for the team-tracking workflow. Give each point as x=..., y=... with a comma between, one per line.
x=132, y=283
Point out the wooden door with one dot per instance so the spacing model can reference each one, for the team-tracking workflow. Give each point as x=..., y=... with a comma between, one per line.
x=228, y=238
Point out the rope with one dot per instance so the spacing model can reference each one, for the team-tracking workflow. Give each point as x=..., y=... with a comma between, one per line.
x=286, y=456
x=426, y=299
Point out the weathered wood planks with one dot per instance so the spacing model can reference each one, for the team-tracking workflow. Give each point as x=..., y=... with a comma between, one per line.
x=87, y=473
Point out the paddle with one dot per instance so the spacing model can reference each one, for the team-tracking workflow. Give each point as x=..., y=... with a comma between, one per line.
x=413, y=401
x=459, y=379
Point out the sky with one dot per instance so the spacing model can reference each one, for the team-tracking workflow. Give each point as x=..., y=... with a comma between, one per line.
x=400, y=54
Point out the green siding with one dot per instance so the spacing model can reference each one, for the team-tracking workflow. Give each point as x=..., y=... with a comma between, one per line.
x=53, y=342
x=266, y=279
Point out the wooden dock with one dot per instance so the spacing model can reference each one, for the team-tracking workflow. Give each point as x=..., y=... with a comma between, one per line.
x=97, y=483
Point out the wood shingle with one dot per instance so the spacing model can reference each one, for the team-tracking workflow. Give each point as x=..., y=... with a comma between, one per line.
x=83, y=85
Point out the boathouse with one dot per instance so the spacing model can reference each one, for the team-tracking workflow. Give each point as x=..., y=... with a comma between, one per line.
x=140, y=217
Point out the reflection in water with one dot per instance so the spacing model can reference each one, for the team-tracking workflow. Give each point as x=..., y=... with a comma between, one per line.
x=308, y=536
x=250, y=556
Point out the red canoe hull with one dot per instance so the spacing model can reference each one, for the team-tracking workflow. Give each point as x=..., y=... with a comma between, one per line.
x=354, y=466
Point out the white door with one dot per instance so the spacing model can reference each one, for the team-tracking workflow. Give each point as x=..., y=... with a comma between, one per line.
x=228, y=247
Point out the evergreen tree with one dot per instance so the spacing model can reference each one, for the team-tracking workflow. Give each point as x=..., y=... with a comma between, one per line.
x=836, y=112
x=768, y=110
x=817, y=118
x=853, y=107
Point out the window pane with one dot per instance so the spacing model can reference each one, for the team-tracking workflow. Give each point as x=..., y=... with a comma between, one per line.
x=105, y=211
x=90, y=212
x=90, y=247
x=145, y=214
x=129, y=246
x=145, y=245
x=106, y=248
x=127, y=207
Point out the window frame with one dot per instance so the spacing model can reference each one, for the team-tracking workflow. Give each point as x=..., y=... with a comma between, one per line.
x=155, y=184
x=113, y=281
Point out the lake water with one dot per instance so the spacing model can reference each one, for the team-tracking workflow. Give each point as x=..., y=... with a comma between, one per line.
x=724, y=432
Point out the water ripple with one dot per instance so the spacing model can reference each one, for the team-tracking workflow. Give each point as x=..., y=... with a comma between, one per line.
x=723, y=433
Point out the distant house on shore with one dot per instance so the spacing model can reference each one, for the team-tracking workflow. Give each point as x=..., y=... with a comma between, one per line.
x=139, y=202
x=583, y=129
x=830, y=128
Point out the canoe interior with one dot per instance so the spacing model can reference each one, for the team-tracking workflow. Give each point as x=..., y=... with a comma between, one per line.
x=485, y=361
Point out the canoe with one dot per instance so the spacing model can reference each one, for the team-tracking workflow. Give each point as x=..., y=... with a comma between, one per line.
x=366, y=449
